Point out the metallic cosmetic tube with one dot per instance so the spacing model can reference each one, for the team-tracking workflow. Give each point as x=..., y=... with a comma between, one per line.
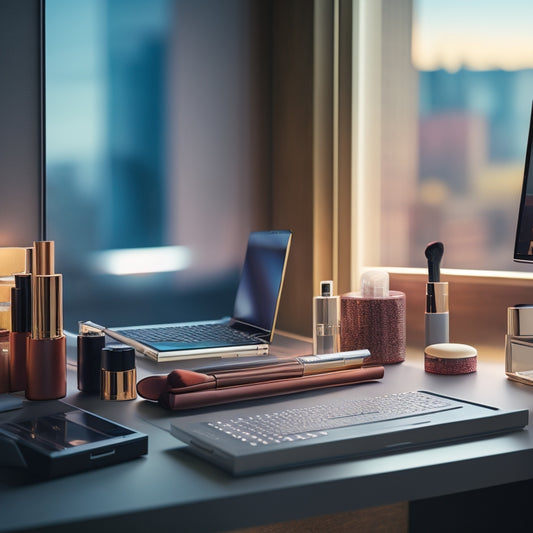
x=437, y=315
x=118, y=374
x=20, y=331
x=300, y=366
x=46, y=356
x=90, y=345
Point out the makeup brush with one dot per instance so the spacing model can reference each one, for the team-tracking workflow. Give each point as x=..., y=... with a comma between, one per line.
x=434, y=252
x=183, y=381
x=436, y=316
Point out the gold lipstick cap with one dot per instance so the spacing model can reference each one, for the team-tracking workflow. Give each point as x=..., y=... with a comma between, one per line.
x=47, y=316
x=43, y=258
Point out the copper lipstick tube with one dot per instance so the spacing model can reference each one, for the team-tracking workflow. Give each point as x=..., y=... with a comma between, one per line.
x=46, y=354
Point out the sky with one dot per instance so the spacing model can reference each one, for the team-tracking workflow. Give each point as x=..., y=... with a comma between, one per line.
x=477, y=34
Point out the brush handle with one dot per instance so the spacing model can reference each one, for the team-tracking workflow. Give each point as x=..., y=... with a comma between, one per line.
x=433, y=271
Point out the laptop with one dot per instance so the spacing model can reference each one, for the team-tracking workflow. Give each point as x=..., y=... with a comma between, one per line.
x=248, y=332
x=336, y=425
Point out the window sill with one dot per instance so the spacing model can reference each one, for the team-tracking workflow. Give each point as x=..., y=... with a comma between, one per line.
x=478, y=303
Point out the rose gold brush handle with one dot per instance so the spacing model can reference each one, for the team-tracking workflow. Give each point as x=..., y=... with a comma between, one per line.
x=291, y=369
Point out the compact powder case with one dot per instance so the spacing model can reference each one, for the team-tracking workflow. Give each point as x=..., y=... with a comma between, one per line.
x=450, y=359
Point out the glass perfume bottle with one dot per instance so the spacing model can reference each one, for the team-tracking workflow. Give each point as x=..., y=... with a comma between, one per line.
x=326, y=320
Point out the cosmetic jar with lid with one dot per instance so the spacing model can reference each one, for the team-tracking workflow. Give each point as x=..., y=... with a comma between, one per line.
x=519, y=344
x=118, y=374
x=450, y=358
x=374, y=319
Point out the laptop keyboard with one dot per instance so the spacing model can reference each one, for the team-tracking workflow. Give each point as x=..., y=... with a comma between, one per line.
x=192, y=334
x=310, y=422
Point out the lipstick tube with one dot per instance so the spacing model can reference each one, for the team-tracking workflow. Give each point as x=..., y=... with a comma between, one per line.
x=46, y=355
x=20, y=331
x=437, y=315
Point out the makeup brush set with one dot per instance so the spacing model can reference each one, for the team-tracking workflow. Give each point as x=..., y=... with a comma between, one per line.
x=185, y=389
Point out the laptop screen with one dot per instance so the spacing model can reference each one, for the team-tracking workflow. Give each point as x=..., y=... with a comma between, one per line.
x=259, y=289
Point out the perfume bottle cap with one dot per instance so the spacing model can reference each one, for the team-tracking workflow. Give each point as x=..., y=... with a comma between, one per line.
x=118, y=358
x=326, y=288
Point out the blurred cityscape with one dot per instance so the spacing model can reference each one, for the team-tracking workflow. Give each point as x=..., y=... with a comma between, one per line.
x=453, y=140
x=473, y=128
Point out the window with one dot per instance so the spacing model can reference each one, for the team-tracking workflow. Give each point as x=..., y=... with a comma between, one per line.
x=157, y=154
x=457, y=87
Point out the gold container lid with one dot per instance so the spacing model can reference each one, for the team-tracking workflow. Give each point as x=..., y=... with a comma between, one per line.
x=47, y=316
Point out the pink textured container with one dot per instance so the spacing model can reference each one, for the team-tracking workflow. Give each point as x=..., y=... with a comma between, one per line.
x=375, y=324
x=450, y=359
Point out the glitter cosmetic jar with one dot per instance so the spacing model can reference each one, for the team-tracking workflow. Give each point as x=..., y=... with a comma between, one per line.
x=450, y=359
x=376, y=324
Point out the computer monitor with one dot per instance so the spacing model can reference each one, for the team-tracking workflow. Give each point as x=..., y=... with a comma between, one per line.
x=523, y=249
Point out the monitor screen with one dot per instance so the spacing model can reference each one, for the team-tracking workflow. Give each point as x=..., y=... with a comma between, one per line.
x=523, y=249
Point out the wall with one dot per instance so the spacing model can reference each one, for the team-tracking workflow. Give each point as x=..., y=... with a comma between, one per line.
x=20, y=124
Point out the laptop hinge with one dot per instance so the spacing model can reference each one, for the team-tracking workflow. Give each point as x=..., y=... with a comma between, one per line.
x=250, y=329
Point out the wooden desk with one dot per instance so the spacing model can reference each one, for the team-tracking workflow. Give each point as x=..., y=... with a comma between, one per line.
x=170, y=490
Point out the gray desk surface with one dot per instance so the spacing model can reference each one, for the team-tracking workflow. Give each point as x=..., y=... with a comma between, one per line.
x=171, y=490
